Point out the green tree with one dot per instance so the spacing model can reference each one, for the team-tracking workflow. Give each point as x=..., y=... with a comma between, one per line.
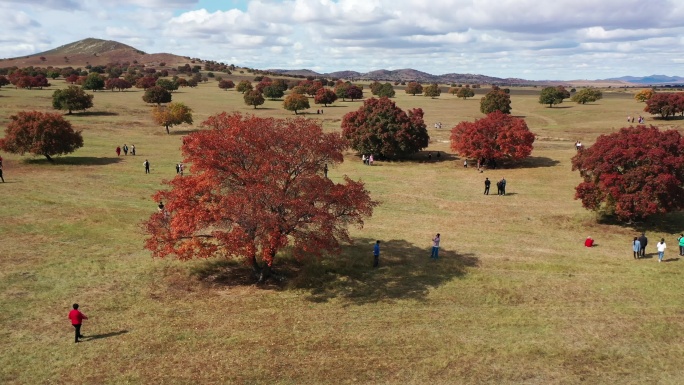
x=244, y=86
x=157, y=95
x=296, y=102
x=413, y=88
x=254, y=98
x=71, y=98
x=167, y=84
x=465, y=92
x=432, y=91
x=495, y=100
x=587, y=95
x=94, y=82
x=273, y=92
x=550, y=96
x=386, y=90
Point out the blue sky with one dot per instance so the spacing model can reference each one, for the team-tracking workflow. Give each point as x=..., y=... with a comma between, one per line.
x=531, y=39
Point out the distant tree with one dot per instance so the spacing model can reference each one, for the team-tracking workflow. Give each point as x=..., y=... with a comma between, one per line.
x=341, y=90
x=551, y=96
x=375, y=87
x=244, y=86
x=644, y=95
x=172, y=114
x=587, y=95
x=39, y=81
x=157, y=95
x=167, y=84
x=495, y=100
x=465, y=93
x=633, y=173
x=273, y=92
x=281, y=84
x=256, y=188
x=3, y=81
x=413, y=88
x=145, y=82
x=380, y=127
x=665, y=105
x=296, y=102
x=496, y=137
x=325, y=96
x=39, y=133
x=453, y=90
x=117, y=83
x=71, y=79
x=192, y=82
x=253, y=98
x=226, y=84
x=432, y=91
x=354, y=92
x=386, y=90
x=94, y=82
x=71, y=98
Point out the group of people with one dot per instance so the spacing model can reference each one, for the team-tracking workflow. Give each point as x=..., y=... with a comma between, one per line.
x=641, y=120
x=500, y=186
x=438, y=125
x=180, y=167
x=367, y=160
x=639, y=246
x=125, y=150
x=318, y=112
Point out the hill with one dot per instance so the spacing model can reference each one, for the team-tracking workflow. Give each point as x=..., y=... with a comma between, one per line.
x=652, y=79
x=93, y=51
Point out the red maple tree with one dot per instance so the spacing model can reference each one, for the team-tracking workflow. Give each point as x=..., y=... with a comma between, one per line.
x=249, y=195
x=497, y=137
x=633, y=173
x=40, y=133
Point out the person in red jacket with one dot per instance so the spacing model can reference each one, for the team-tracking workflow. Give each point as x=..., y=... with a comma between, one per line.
x=76, y=318
x=589, y=242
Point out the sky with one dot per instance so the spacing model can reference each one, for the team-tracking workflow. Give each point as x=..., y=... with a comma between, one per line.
x=529, y=39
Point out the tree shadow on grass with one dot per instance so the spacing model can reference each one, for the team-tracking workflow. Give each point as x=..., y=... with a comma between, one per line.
x=537, y=162
x=405, y=272
x=670, y=223
x=77, y=160
x=105, y=335
x=95, y=113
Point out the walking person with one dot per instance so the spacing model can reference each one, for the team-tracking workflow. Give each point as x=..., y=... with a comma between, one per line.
x=118, y=151
x=643, y=241
x=661, y=246
x=125, y=148
x=680, y=239
x=77, y=318
x=465, y=163
x=147, y=166
x=132, y=149
x=435, y=247
x=376, y=254
x=487, y=184
x=370, y=159
x=636, y=247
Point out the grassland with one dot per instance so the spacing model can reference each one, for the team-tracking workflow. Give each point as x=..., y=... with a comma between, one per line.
x=515, y=297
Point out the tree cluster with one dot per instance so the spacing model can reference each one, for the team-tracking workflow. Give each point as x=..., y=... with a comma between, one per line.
x=665, y=104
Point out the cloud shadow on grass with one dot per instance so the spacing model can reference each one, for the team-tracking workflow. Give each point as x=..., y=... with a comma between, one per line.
x=405, y=272
x=77, y=160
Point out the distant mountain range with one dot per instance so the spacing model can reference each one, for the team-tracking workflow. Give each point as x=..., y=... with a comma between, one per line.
x=100, y=52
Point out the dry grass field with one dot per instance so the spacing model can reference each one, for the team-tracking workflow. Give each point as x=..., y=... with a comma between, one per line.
x=515, y=297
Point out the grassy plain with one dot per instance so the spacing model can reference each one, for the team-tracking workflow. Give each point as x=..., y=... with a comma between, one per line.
x=515, y=297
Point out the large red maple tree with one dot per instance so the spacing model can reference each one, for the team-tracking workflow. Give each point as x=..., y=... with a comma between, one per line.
x=496, y=137
x=256, y=186
x=633, y=173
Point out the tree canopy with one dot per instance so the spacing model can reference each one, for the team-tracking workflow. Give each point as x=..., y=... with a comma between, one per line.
x=172, y=115
x=94, y=82
x=665, y=105
x=633, y=173
x=325, y=96
x=244, y=86
x=156, y=94
x=551, y=96
x=432, y=91
x=496, y=100
x=496, y=137
x=587, y=95
x=253, y=98
x=644, y=95
x=38, y=133
x=413, y=88
x=380, y=127
x=257, y=186
x=465, y=92
x=296, y=102
x=71, y=98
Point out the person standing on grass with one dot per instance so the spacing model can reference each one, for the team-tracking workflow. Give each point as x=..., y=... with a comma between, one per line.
x=132, y=149
x=125, y=148
x=147, y=166
x=435, y=247
x=503, y=186
x=680, y=239
x=376, y=254
x=325, y=170
x=661, y=246
x=1, y=177
x=487, y=184
x=77, y=318
x=636, y=247
x=118, y=151
x=643, y=241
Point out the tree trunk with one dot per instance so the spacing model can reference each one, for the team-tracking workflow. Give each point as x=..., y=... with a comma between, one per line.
x=167, y=130
x=49, y=158
x=265, y=273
